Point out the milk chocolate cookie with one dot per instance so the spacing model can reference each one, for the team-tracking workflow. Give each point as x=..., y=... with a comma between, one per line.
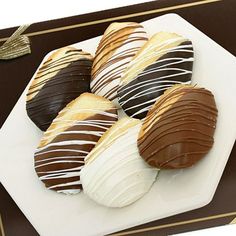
x=69, y=139
x=178, y=130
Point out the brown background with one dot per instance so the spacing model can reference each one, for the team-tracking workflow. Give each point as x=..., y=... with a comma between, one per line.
x=216, y=19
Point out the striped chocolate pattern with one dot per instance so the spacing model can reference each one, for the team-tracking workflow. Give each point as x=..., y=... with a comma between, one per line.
x=61, y=78
x=173, y=66
x=178, y=130
x=58, y=162
x=114, y=174
x=120, y=43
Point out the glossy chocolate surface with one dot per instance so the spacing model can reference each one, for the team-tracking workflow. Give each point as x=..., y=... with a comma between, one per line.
x=178, y=130
x=13, y=82
x=137, y=96
x=57, y=91
x=58, y=164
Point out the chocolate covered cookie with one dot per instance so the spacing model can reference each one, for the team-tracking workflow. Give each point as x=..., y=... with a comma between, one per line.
x=60, y=155
x=165, y=60
x=62, y=77
x=119, y=44
x=114, y=174
x=178, y=130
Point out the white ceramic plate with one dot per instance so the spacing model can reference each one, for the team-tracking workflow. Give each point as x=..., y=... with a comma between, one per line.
x=174, y=192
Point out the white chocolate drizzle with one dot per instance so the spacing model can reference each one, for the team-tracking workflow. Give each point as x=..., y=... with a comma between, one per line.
x=165, y=65
x=117, y=176
x=58, y=163
x=106, y=78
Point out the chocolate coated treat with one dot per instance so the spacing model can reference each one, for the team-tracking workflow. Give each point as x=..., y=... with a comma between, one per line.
x=119, y=44
x=165, y=60
x=61, y=78
x=178, y=130
x=114, y=174
x=71, y=136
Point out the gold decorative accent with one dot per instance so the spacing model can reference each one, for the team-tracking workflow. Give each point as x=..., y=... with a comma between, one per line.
x=233, y=221
x=175, y=224
x=16, y=45
x=2, y=233
x=186, y=5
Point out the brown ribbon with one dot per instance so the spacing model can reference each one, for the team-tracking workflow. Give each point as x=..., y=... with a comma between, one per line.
x=16, y=45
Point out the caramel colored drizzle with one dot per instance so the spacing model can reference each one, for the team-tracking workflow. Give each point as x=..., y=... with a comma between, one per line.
x=178, y=130
x=115, y=51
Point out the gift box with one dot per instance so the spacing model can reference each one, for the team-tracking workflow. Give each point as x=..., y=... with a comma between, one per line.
x=212, y=17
